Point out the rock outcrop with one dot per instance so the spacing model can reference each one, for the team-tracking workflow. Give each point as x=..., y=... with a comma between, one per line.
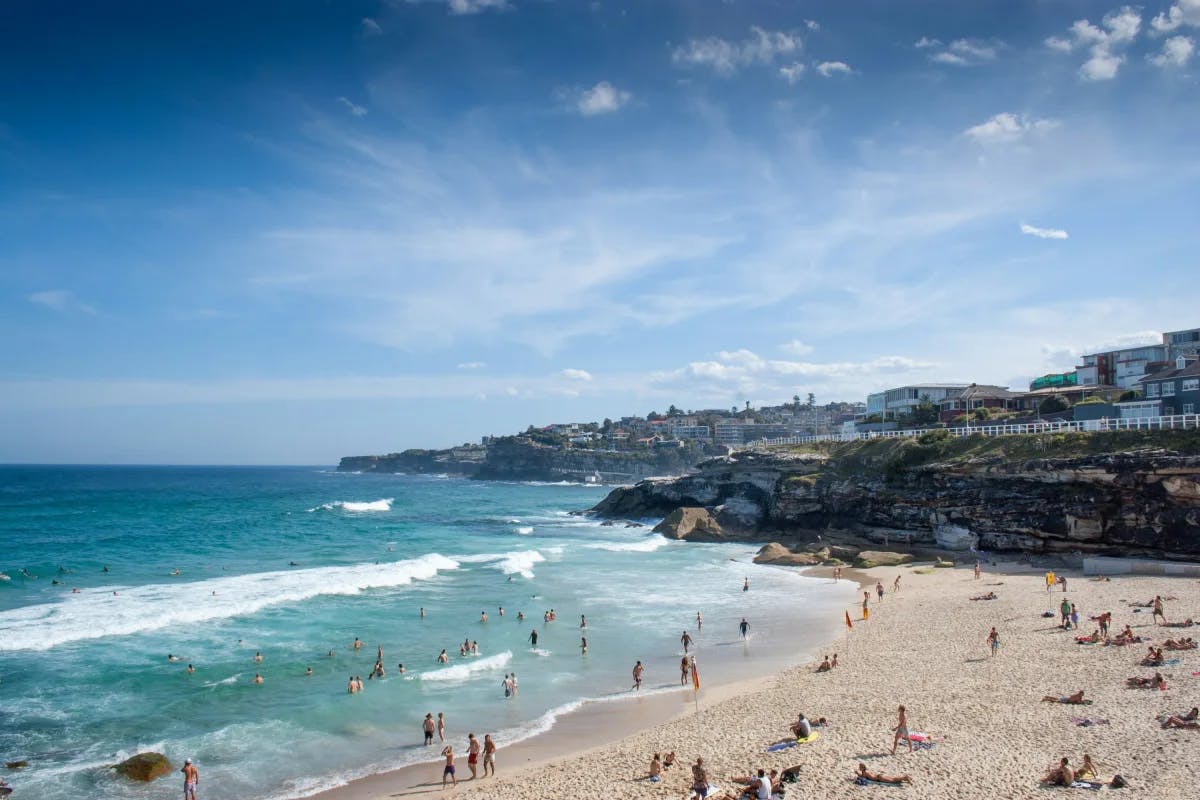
x=938, y=494
x=144, y=767
x=880, y=558
x=693, y=524
x=776, y=553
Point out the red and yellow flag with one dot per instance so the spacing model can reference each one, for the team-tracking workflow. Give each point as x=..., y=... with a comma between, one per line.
x=849, y=624
x=695, y=677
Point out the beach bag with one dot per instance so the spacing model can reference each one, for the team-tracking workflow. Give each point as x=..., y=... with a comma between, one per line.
x=1118, y=782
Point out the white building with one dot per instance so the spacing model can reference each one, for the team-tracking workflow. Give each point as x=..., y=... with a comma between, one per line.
x=903, y=399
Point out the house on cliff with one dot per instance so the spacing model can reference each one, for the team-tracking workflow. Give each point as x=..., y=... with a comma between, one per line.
x=1177, y=388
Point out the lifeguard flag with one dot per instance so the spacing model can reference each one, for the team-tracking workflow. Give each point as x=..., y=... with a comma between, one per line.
x=695, y=677
x=849, y=624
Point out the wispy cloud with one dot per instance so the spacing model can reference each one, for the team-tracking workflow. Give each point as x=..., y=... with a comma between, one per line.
x=472, y=365
x=725, y=57
x=1176, y=52
x=603, y=98
x=352, y=107
x=476, y=6
x=831, y=68
x=370, y=27
x=1183, y=12
x=1043, y=233
x=60, y=300
x=960, y=52
x=796, y=348
x=792, y=73
x=925, y=42
x=1116, y=31
x=576, y=374
x=1007, y=127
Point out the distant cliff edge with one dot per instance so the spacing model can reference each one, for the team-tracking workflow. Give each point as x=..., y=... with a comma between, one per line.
x=1128, y=493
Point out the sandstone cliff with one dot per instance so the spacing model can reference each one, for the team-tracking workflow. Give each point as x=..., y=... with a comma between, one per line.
x=1129, y=493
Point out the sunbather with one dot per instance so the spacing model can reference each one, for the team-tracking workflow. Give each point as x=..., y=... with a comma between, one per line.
x=1087, y=769
x=1070, y=700
x=1093, y=639
x=825, y=666
x=988, y=596
x=1154, y=657
x=1188, y=720
x=1187, y=623
x=1061, y=775
x=879, y=777
x=1157, y=682
x=1186, y=643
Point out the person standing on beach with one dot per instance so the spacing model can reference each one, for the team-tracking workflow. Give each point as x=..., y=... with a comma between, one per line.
x=473, y=749
x=1158, y=610
x=686, y=641
x=977, y=570
x=1065, y=610
x=441, y=727
x=699, y=780
x=448, y=770
x=879, y=589
x=489, y=755
x=744, y=627
x=866, y=600
x=901, y=731
x=993, y=640
x=684, y=668
x=638, y=672
x=427, y=727
x=191, y=779
x=896, y=585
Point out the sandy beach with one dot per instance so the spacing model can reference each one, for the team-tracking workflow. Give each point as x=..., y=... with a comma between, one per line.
x=924, y=647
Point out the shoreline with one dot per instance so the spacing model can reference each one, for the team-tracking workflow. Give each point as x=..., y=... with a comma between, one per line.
x=925, y=648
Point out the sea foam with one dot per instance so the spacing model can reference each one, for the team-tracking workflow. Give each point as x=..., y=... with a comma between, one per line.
x=647, y=545
x=121, y=611
x=460, y=672
x=356, y=507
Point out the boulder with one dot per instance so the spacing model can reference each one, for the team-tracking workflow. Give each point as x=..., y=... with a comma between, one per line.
x=775, y=553
x=144, y=767
x=693, y=524
x=940, y=564
x=880, y=558
x=955, y=537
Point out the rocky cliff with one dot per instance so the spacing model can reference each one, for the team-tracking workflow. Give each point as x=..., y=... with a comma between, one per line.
x=464, y=460
x=1129, y=493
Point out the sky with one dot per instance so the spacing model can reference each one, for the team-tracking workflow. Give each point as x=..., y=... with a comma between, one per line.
x=283, y=232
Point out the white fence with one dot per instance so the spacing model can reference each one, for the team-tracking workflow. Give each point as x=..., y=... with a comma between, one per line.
x=1175, y=422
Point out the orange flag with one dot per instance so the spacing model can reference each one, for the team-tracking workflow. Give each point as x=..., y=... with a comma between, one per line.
x=849, y=624
x=695, y=677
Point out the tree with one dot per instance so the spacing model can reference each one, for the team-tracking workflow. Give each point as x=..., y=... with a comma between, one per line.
x=607, y=425
x=1053, y=404
x=1127, y=396
x=796, y=402
x=924, y=413
x=673, y=411
x=812, y=400
x=653, y=416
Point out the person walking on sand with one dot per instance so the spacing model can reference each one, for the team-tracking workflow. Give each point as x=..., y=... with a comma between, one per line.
x=896, y=585
x=879, y=589
x=489, y=755
x=427, y=727
x=448, y=770
x=866, y=600
x=901, y=731
x=638, y=672
x=977, y=569
x=473, y=750
x=744, y=627
x=684, y=668
x=1158, y=610
x=441, y=727
x=993, y=641
x=686, y=641
x=191, y=779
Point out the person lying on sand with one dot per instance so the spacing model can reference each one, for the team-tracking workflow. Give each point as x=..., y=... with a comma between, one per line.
x=1070, y=700
x=1187, y=623
x=1186, y=643
x=1093, y=639
x=879, y=777
x=1157, y=682
x=1061, y=775
x=988, y=596
x=1188, y=720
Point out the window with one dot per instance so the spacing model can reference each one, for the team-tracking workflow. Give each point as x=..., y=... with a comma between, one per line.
x=1190, y=385
x=1168, y=388
x=1151, y=390
x=1189, y=408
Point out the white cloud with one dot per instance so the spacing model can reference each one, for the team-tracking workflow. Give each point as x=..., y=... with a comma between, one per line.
x=1043, y=233
x=829, y=68
x=812, y=24
x=603, y=98
x=1007, y=127
x=792, y=72
x=472, y=365
x=352, y=107
x=949, y=58
x=925, y=41
x=796, y=348
x=60, y=300
x=476, y=6
x=726, y=57
x=1183, y=12
x=370, y=27
x=1176, y=52
x=576, y=374
x=960, y=52
x=1116, y=30
x=973, y=49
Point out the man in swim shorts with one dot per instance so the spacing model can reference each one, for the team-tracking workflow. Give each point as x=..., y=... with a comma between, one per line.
x=489, y=755
x=427, y=726
x=699, y=780
x=901, y=730
x=448, y=770
x=473, y=749
x=191, y=779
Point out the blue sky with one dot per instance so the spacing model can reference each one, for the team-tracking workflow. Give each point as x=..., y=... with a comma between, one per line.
x=281, y=232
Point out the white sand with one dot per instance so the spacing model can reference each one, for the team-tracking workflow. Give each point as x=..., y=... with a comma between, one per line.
x=925, y=648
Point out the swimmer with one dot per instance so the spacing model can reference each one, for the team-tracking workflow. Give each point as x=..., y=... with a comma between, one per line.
x=483, y=616
x=308, y=672
x=501, y=611
x=400, y=668
x=190, y=669
x=520, y=616
x=357, y=643
x=257, y=657
x=443, y=658
x=258, y=679
x=293, y=564
x=175, y=571
x=105, y=568
x=330, y=654
x=172, y=657
x=422, y=612
x=352, y=686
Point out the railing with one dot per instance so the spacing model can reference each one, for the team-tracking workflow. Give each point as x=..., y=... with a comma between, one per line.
x=1174, y=422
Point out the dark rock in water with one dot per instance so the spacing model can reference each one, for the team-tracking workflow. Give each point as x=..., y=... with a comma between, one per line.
x=144, y=767
x=693, y=524
x=775, y=553
x=16, y=764
x=608, y=523
x=634, y=525
x=880, y=558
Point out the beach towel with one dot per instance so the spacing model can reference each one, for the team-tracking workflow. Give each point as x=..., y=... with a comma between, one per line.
x=812, y=737
x=861, y=781
x=1086, y=722
x=1086, y=785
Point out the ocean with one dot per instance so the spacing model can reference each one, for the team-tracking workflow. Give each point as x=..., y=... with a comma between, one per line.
x=213, y=565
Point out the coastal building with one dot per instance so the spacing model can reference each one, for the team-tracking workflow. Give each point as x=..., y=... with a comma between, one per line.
x=1182, y=343
x=1177, y=388
x=699, y=433
x=1054, y=380
x=735, y=433
x=1123, y=368
x=875, y=404
x=904, y=399
x=978, y=396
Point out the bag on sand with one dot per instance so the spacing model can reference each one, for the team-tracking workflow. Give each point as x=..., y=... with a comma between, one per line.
x=1118, y=782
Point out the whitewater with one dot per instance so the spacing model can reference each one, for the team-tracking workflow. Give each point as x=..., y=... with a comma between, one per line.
x=215, y=566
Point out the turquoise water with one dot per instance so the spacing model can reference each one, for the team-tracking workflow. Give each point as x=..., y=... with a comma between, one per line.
x=292, y=563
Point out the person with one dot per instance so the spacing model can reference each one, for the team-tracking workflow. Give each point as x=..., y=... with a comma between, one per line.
x=1065, y=610
x=172, y=658
x=583, y=645
x=684, y=668
x=655, y=773
x=400, y=669
x=993, y=640
x=977, y=569
x=686, y=641
x=191, y=779
x=699, y=622
x=448, y=770
x=352, y=687
x=501, y=611
x=699, y=780
x=473, y=750
x=1158, y=610
x=441, y=727
x=257, y=657
x=638, y=672
x=474, y=647
x=879, y=777
x=443, y=657
x=669, y=760
x=1074, y=617
x=520, y=616
x=1062, y=581
x=834, y=663
x=837, y=574
x=1070, y=700
x=422, y=612
x=901, y=730
x=746, y=584
x=1188, y=720
x=533, y=637
x=802, y=728
x=191, y=669
x=582, y=621
x=1105, y=619
x=1087, y=768
x=744, y=627
x=427, y=727
x=258, y=679
x=988, y=596
x=1157, y=682
x=825, y=666
x=866, y=611
x=489, y=755
x=507, y=685
x=515, y=686
x=896, y=585
x=1062, y=775
x=879, y=589
x=329, y=654
x=357, y=643
x=483, y=616
x=307, y=672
